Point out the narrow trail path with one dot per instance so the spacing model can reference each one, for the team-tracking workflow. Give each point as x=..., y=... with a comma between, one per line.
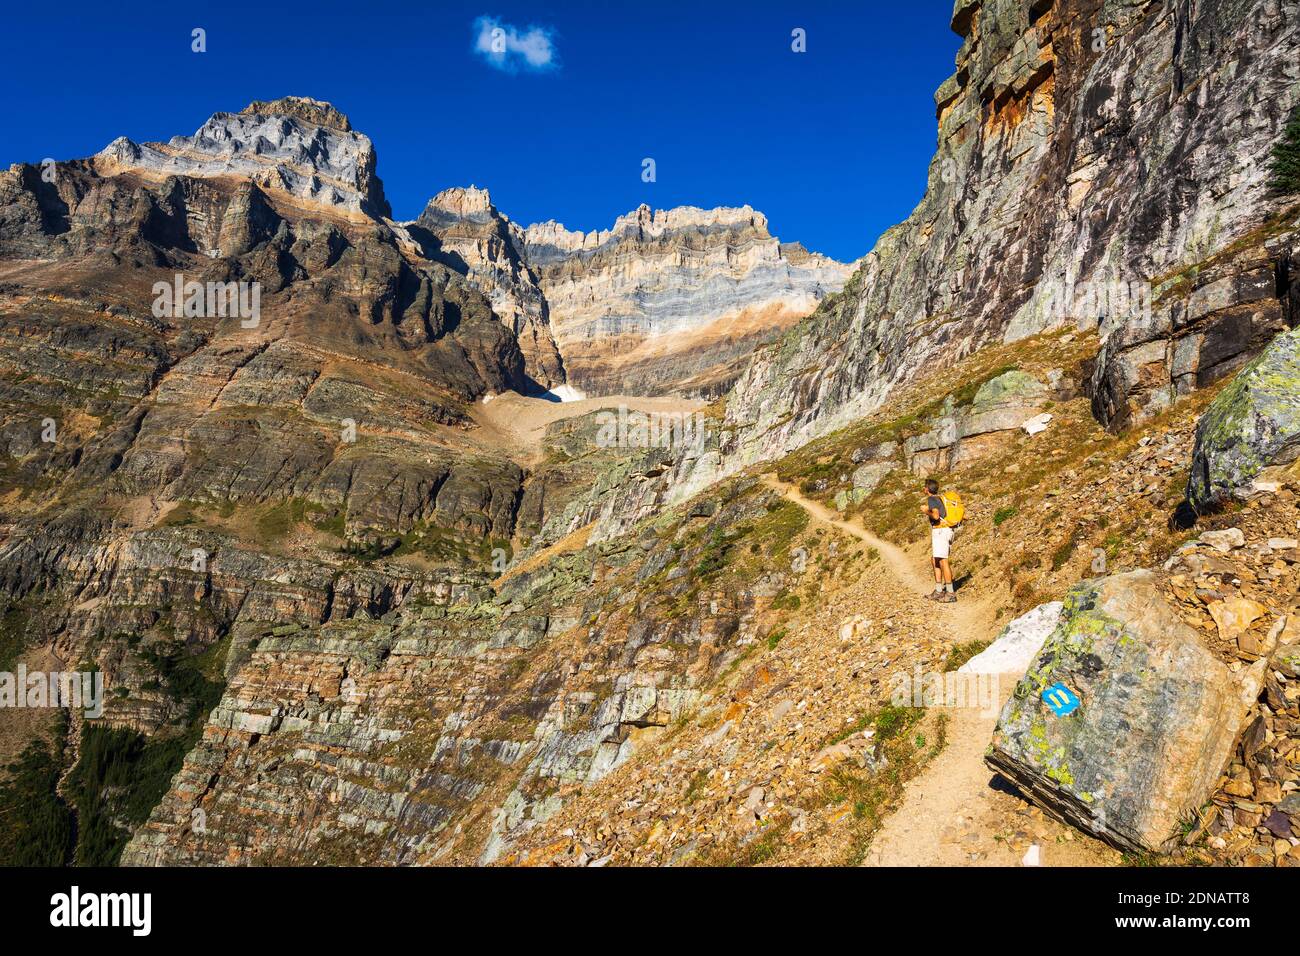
x=903, y=567
x=950, y=815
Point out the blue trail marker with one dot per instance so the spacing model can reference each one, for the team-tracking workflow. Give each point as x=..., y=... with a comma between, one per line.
x=1061, y=699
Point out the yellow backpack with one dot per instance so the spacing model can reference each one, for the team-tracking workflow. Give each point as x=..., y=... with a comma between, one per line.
x=954, y=510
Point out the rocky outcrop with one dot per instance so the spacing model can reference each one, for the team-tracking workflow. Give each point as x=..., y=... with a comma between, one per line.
x=475, y=239
x=1193, y=339
x=302, y=148
x=1252, y=425
x=302, y=108
x=965, y=432
x=1124, y=721
x=1066, y=170
x=673, y=301
x=1096, y=168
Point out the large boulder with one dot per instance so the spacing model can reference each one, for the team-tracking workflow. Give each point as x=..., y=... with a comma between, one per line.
x=966, y=432
x=1148, y=721
x=867, y=477
x=1013, y=387
x=1252, y=425
x=1003, y=404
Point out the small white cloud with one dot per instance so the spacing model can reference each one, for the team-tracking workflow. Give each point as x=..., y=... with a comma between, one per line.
x=511, y=50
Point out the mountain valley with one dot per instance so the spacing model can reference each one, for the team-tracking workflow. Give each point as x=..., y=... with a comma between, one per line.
x=462, y=542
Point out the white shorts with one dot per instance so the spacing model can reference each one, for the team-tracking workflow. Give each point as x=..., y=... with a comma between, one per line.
x=940, y=541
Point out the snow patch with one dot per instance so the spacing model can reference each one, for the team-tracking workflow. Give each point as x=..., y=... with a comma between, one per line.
x=565, y=393
x=1018, y=644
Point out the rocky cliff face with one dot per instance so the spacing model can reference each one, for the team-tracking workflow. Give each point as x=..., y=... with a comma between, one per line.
x=236, y=397
x=673, y=301
x=1103, y=166
x=484, y=245
x=1082, y=147
x=297, y=146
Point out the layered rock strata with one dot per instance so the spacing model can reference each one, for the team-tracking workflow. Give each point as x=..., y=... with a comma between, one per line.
x=297, y=146
x=474, y=238
x=1105, y=166
x=673, y=301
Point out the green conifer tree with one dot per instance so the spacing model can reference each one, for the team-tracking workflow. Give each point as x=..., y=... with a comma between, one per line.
x=1286, y=157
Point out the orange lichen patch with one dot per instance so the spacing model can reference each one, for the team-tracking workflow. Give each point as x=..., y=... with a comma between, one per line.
x=1044, y=98
x=1008, y=109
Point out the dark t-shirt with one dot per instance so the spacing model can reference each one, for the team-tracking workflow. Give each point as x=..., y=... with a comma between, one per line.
x=935, y=503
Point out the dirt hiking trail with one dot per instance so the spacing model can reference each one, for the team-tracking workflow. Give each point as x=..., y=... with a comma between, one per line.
x=952, y=814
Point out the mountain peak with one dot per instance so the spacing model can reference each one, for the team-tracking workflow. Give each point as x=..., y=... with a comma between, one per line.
x=294, y=145
x=462, y=202
x=304, y=108
x=550, y=238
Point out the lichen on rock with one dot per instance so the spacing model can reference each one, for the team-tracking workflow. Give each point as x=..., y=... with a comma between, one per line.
x=1157, y=718
x=1252, y=425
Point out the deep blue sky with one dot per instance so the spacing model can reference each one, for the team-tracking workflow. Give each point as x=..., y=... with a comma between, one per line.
x=831, y=144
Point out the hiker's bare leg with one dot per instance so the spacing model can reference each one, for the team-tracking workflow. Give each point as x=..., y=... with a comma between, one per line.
x=946, y=571
x=938, y=570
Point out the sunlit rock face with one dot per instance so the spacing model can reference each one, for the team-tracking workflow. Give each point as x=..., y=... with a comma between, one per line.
x=673, y=301
x=294, y=145
x=1086, y=153
x=474, y=238
x=1081, y=147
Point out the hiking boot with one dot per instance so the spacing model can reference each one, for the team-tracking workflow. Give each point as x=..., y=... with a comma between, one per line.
x=934, y=596
x=947, y=598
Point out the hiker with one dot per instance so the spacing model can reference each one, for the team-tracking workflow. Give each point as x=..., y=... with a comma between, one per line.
x=945, y=512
